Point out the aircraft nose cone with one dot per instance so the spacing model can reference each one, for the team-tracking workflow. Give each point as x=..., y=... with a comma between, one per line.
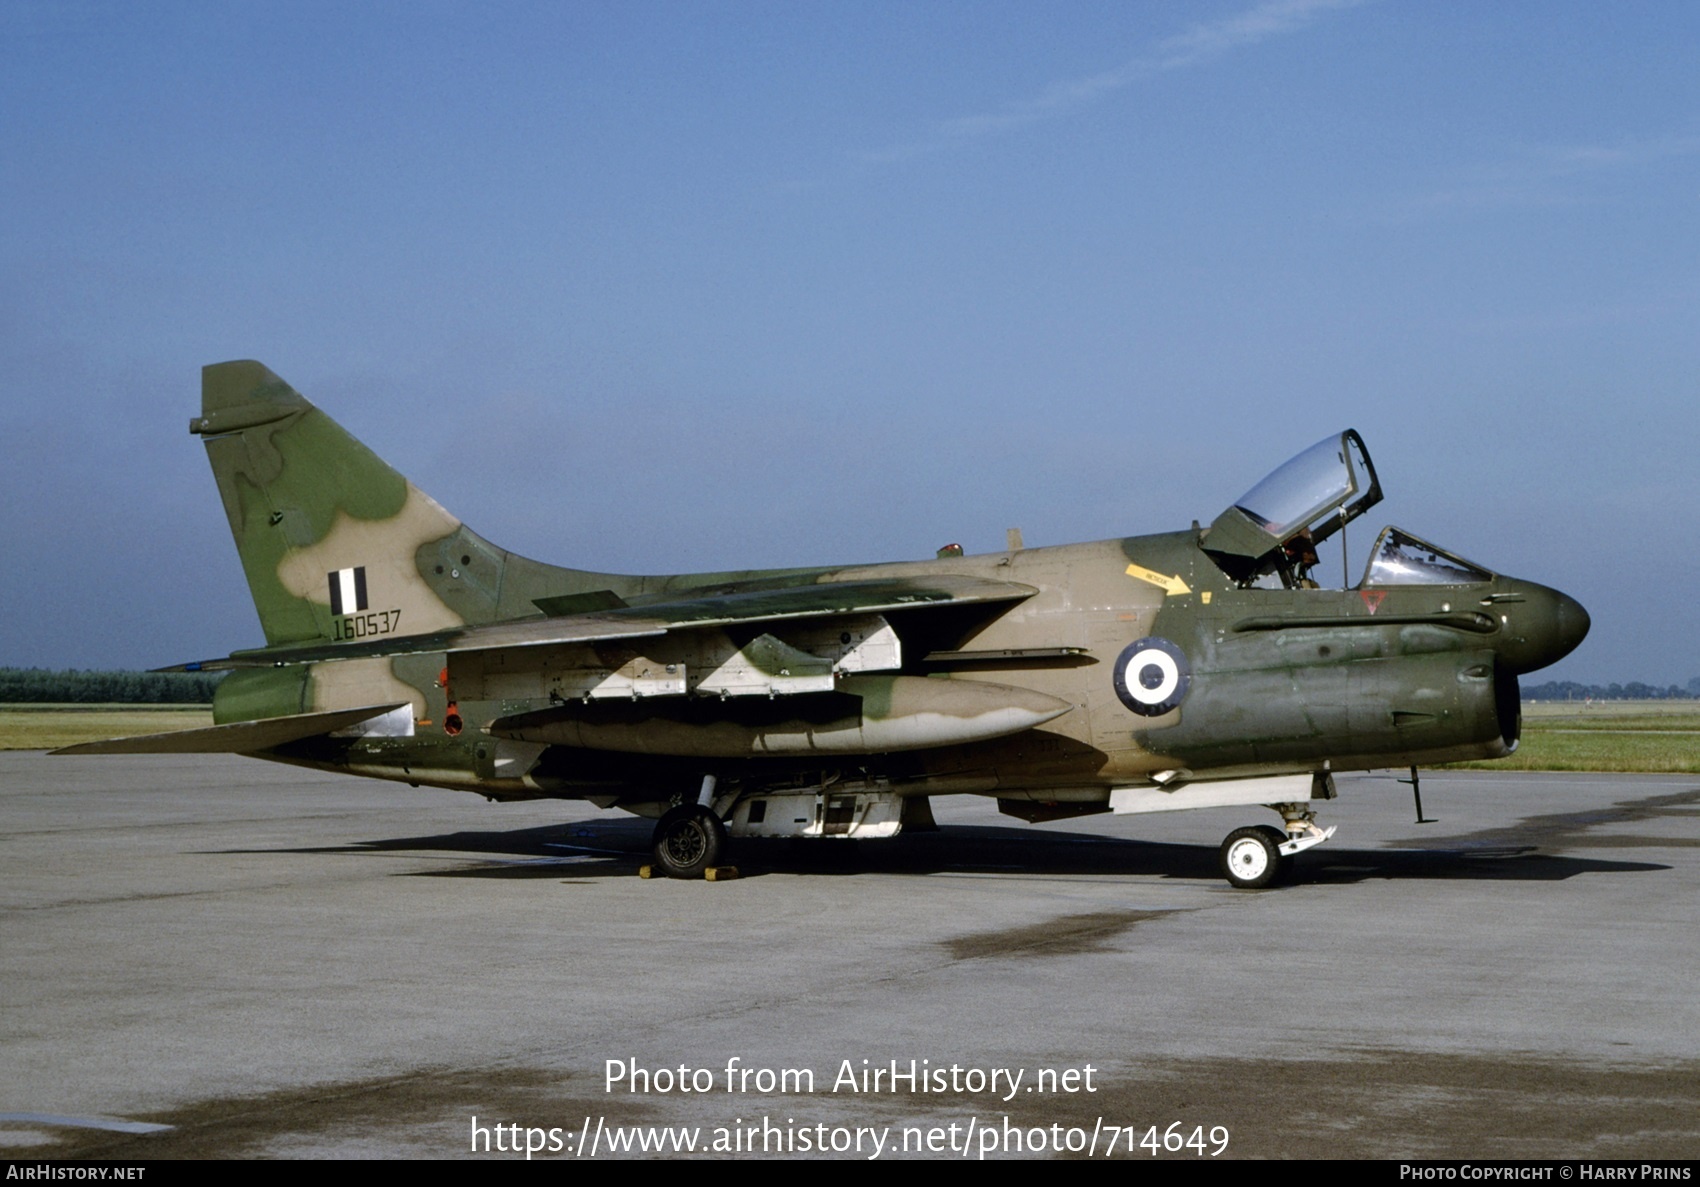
x=1572, y=626
x=1541, y=628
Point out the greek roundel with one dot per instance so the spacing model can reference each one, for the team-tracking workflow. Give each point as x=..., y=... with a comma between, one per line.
x=1152, y=676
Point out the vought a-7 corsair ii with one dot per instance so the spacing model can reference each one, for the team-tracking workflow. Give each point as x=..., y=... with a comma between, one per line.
x=1192, y=669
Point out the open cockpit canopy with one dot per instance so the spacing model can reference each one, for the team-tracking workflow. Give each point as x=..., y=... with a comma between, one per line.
x=1313, y=495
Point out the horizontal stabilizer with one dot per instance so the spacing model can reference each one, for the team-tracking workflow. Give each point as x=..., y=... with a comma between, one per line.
x=242, y=737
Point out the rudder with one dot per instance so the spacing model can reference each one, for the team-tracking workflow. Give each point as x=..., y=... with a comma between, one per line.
x=331, y=537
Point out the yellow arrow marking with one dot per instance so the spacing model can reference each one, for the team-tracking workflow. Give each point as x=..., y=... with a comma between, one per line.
x=1171, y=585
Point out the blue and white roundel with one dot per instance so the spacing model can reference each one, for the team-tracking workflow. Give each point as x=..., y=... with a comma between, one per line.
x=1152, y=676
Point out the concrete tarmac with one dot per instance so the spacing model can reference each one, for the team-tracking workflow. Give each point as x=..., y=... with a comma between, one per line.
x=273, y=962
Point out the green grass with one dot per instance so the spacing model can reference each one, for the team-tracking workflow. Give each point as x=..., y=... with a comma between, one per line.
x=1658, y=737
x=44, y=727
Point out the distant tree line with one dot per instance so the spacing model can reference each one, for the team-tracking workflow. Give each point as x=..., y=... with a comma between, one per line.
x=1569, y=690
x=129, y=688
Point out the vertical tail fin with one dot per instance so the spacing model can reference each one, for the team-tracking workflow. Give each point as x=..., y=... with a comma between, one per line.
x=335, y=543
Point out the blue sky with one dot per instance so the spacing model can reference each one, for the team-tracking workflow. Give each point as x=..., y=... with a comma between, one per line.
x=678, y=286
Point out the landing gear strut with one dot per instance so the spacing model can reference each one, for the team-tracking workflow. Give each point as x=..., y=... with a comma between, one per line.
x=1261, y=856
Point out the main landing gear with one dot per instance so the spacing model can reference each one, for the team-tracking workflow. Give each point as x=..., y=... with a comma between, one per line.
x=690, y=838
x=1261, y=856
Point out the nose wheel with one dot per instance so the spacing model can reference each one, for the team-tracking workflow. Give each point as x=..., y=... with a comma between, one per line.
x=1251, y=858
x=1261, y=856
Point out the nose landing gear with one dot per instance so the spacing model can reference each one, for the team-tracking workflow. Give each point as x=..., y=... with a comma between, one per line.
x=1262, y=855
x=1251, y=858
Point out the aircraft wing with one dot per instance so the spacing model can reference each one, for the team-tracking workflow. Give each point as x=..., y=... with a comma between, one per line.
x=242, y=737
x=751, y=645
x=832, y=599
x=760, y=643
x=796, y=604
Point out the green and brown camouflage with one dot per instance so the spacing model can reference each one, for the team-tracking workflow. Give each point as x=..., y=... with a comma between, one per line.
x=1150, y=673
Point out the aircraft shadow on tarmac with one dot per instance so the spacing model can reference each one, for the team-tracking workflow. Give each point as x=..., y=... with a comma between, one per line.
x=617, y=848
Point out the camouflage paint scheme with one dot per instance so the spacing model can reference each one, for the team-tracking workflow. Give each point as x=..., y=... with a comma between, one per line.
x=1007, y=674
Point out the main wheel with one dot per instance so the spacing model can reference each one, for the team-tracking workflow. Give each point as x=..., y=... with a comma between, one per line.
x=1251, y=858
x=688, y=839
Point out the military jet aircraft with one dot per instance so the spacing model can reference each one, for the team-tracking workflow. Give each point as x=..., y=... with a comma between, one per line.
x=1193, y=669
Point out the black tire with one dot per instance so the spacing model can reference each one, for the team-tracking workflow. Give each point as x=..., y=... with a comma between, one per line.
x=1250, y=858
x=688, y=840
x=1284, y=868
